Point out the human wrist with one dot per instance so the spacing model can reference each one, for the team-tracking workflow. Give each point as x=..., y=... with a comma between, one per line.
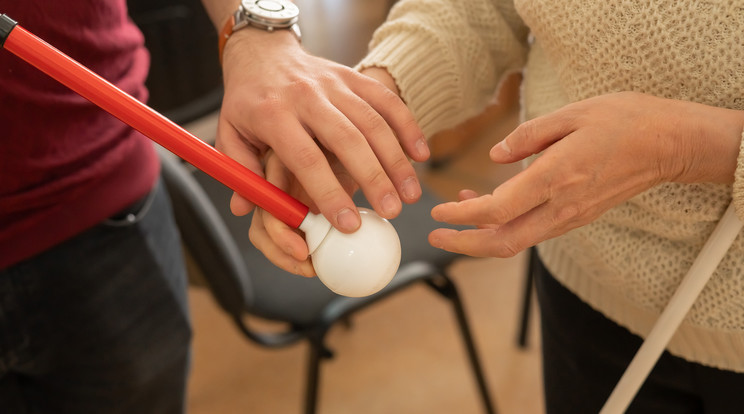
x=710, y=146
x=260, y=42
x=270, y=16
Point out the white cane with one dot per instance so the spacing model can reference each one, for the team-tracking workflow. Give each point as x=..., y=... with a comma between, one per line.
x=700, y=272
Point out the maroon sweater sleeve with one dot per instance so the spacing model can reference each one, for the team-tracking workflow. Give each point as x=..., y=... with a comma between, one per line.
x=65, y=165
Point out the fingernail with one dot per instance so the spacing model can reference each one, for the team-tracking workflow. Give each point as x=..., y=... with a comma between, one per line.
x=504, y=146
x=435, y=212
x=411, y=188
x=390, y=204
x=347, y=220
x=422, y=147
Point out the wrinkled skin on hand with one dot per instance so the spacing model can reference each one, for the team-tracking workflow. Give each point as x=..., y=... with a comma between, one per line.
x=594, y=155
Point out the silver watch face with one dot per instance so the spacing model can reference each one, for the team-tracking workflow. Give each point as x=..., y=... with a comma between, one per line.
x=275, y=13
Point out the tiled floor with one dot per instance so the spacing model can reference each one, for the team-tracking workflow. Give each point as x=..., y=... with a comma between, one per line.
x=403, y=355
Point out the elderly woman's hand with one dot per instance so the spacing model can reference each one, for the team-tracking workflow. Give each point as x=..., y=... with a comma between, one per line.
x=595, y=154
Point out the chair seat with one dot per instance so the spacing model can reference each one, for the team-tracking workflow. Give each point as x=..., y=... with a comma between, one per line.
x=281, y=295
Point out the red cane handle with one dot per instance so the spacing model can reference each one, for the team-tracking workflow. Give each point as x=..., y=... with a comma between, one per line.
x=154, y=125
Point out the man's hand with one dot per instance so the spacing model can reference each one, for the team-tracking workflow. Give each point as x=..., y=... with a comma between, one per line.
x=285, y=246
x=279, y=97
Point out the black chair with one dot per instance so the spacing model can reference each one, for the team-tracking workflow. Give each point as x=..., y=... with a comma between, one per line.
x=185, y=84
x=245, y=283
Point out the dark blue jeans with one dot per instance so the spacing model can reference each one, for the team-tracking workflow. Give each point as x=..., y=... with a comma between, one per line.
x=585, y=354
x=99, y=324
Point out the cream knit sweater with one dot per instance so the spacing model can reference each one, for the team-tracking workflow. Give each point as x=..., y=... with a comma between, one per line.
x=448, y=57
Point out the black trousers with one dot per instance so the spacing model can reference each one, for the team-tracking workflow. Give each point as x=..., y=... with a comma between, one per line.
x=99, y=324
x=585, y=354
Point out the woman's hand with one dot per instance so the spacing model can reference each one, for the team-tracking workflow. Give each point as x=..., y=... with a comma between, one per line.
x=596, y=154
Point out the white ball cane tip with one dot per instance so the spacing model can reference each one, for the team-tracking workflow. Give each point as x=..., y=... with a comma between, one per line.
x=361, y=263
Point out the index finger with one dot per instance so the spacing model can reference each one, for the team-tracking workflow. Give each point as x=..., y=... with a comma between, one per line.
x=301, y=155
x=510, y=200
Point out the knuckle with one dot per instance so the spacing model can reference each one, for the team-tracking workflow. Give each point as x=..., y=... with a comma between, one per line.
x=255, y=236
x=374, y=123
x=390, y=98
x=401, y=164
x=269, y=103
x=507, y=249
x=347, y=134
x=567, y=213
x=304, y=86
x=307, y=158
x=526, y=131
x=330, y=77
x=499, y=214
x=332, y=195
x=407, y=128
x=376, y=176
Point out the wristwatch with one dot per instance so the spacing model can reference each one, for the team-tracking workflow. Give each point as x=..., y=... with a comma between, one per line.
x=268, y=15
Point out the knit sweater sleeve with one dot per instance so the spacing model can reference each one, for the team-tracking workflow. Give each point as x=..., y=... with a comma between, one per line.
x=738, y=195
x=448, y=57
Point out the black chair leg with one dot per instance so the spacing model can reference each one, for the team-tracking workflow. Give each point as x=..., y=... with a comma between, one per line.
x=524, y=322
x=313, y=371
x=317, y=352
x=448, y=289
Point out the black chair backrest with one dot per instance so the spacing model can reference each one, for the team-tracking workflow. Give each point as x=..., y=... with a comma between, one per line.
x=210, y=243
x=185, y=79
